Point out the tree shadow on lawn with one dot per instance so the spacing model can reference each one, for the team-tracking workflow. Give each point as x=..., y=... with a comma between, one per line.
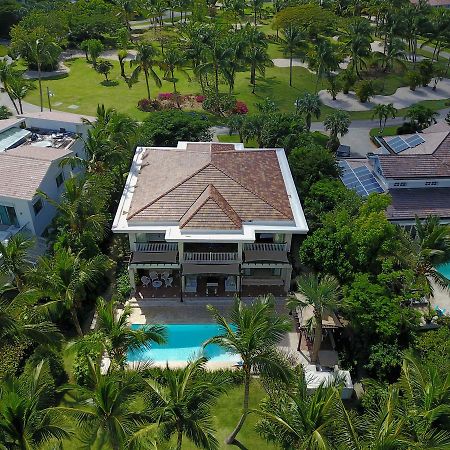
x=109, y=83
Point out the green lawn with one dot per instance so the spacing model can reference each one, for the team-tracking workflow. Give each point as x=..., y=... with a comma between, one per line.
x=388, y=131
x=226, y=415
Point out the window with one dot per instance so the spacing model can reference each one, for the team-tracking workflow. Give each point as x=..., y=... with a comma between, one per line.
x=59, y=179
x=37, y=206
x=431, y=183
x=402, y=184
x=8, y=216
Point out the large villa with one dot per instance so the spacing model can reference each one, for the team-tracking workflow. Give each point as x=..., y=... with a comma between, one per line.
x=209, y=220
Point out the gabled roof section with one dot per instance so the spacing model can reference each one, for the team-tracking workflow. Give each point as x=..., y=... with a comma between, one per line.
x=211, y=210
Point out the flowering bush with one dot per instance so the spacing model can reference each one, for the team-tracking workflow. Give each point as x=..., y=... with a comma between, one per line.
x=148, y=105
x=199, y=98
x=165, y=96
x=240, y=108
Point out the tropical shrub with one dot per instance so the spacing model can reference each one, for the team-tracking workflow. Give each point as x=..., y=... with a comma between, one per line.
x=148, y=105
x=91, y=346
x=123, y=286
x=414, y=79
x=240, y=108
x=165, y=96
x=426, y=71
x=221, y=104
x=200, y=98
x=5, y=113
x=103, y=67
x=364, y=90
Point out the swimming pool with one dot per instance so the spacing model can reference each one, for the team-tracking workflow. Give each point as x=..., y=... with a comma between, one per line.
x=184, y=341
x=444, y=269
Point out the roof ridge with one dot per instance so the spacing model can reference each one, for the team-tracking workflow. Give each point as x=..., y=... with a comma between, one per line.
x=210, y=193
x=170, y=190
x=250, y=190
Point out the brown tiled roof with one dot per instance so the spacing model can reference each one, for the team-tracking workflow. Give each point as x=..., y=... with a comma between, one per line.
x=407, y=203
x=40, y=153
x=210, y=207
x=210, y=186
x=435, y=165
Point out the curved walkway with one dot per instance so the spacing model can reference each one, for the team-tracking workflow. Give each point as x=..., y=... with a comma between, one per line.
x=403, y=97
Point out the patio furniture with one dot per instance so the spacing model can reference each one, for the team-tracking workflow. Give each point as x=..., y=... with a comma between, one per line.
x=157, y=284
x=165, y=275
x=153, y=276
x=168, y=281
x=145, y=281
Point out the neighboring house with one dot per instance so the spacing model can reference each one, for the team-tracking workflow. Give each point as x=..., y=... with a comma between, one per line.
x=435, y=3
x=31, y=150
x=212, y=219
x=414, y=169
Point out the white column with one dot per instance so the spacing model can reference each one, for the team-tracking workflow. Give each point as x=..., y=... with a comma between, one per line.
x=131, y=276
x=288, y=239
x=287, y=278
x=240, y=250
x=132, y=239
x=181, y=251
x=183, y=283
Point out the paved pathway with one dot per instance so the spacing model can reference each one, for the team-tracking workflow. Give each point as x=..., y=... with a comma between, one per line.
x=402, y=98
x=284, y=62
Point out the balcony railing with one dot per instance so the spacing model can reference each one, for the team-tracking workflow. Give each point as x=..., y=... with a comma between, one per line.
x=211, y=257
x=156, y=247
x=263, y=247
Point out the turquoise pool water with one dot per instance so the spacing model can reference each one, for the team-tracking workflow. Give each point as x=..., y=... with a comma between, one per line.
x=444, y=269
x=184, y=341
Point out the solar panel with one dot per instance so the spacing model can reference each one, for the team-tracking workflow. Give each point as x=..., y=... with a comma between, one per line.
x=398, y=144
x=414, y=141
x=360, y=179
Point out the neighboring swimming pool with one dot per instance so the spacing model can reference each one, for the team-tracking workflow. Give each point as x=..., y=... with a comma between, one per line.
x=184, y=341
x=444, y=269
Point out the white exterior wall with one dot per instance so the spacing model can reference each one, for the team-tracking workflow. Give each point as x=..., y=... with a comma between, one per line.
x=56, y=125
x=22, y=208
x=418, y=183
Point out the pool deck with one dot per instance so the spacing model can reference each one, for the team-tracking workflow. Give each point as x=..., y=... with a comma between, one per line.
x=440, y=298
x=195, y=311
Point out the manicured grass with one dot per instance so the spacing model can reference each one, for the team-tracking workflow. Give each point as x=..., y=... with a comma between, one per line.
x=226, y=415
x=388, y=131
x=3, y=50
x=234, y=138
x=83, y=88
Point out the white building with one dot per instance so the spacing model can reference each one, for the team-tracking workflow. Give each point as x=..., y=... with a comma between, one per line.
x=31, y=150
x=209, y=219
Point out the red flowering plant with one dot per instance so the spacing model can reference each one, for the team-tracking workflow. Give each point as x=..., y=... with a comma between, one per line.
x=240, y=107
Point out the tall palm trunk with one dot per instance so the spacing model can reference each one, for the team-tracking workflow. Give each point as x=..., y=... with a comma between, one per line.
x=253, y=77
x=290, y=69
x=40, y=85
x=232, y=437
x=179, y=439
x=146, y=83
x=12, y=100
x=76, y=322
x=317, y=336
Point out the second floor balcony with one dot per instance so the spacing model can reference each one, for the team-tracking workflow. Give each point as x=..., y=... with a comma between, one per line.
x=265, y=253
x=211, y=257
x=156, y=247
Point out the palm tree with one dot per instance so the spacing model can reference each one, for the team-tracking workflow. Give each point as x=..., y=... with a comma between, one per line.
x=294, y=418
x=429, y=247
x=121, y=55
x=26, y=419
x=106, y=409
x=324, y=59
x=145, y=60
x=13, y=258
x=21, y=321
x=64, y=279
x=256, y=55
x=40, y=50
x=291, y=41
x=337, y=122
x=383, y=112
x=256, y=5
x=309, y=105
x=77, y=212
x=357, y=43
x=128, y=7
x=19, y=88
x=174, y=59
x=253, y=333
x=320, y=293
x=181, y=404
x=118, y=337
x=6, y=75
x=426, y=397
